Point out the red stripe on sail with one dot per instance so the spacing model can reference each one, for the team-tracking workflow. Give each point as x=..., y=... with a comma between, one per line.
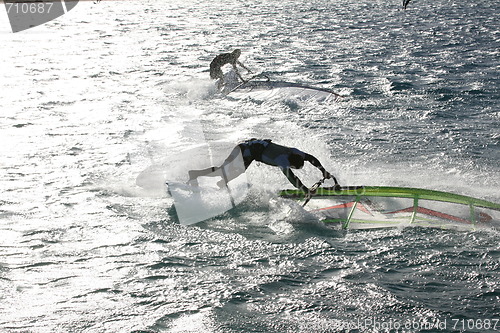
x=431, y=212
x=348, y=205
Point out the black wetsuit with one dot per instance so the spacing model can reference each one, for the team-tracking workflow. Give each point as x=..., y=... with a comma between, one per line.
x=218, y=62
x=263, y=151
x=273, y=154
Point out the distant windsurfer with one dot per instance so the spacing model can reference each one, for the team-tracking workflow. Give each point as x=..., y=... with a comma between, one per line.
x=265, y=151
x=405, y=3
x=224, y=59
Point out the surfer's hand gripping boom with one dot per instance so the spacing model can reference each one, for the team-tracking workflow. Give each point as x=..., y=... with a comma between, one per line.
x=313, y=190
x=327, y=175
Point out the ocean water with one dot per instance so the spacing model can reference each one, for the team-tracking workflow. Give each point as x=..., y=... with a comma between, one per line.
x=93, y=98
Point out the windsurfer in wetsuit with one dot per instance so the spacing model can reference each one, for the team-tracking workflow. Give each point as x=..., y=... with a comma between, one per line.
x=224, y=59
x=265, y=151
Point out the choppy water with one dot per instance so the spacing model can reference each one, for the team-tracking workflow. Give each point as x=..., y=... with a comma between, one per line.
x=91, y=99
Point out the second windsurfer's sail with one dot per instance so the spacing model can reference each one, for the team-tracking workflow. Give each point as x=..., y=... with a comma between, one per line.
x=258, y=88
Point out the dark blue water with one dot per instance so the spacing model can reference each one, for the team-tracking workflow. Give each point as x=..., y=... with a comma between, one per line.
x=93, y=98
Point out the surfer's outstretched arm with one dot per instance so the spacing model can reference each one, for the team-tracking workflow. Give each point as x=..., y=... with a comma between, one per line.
x=238, y=72
x=314, y=161
x=294, y=179
x=239, y=75
x=243, y=66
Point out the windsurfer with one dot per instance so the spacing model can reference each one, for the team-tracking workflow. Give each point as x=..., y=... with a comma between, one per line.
x=267, y=152
x=224, y=59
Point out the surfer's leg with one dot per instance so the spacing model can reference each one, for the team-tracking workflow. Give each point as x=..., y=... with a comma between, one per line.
x=235, y=153
x=217, y=74
x=232, y=167
x=241, y=77
x=209, y=172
